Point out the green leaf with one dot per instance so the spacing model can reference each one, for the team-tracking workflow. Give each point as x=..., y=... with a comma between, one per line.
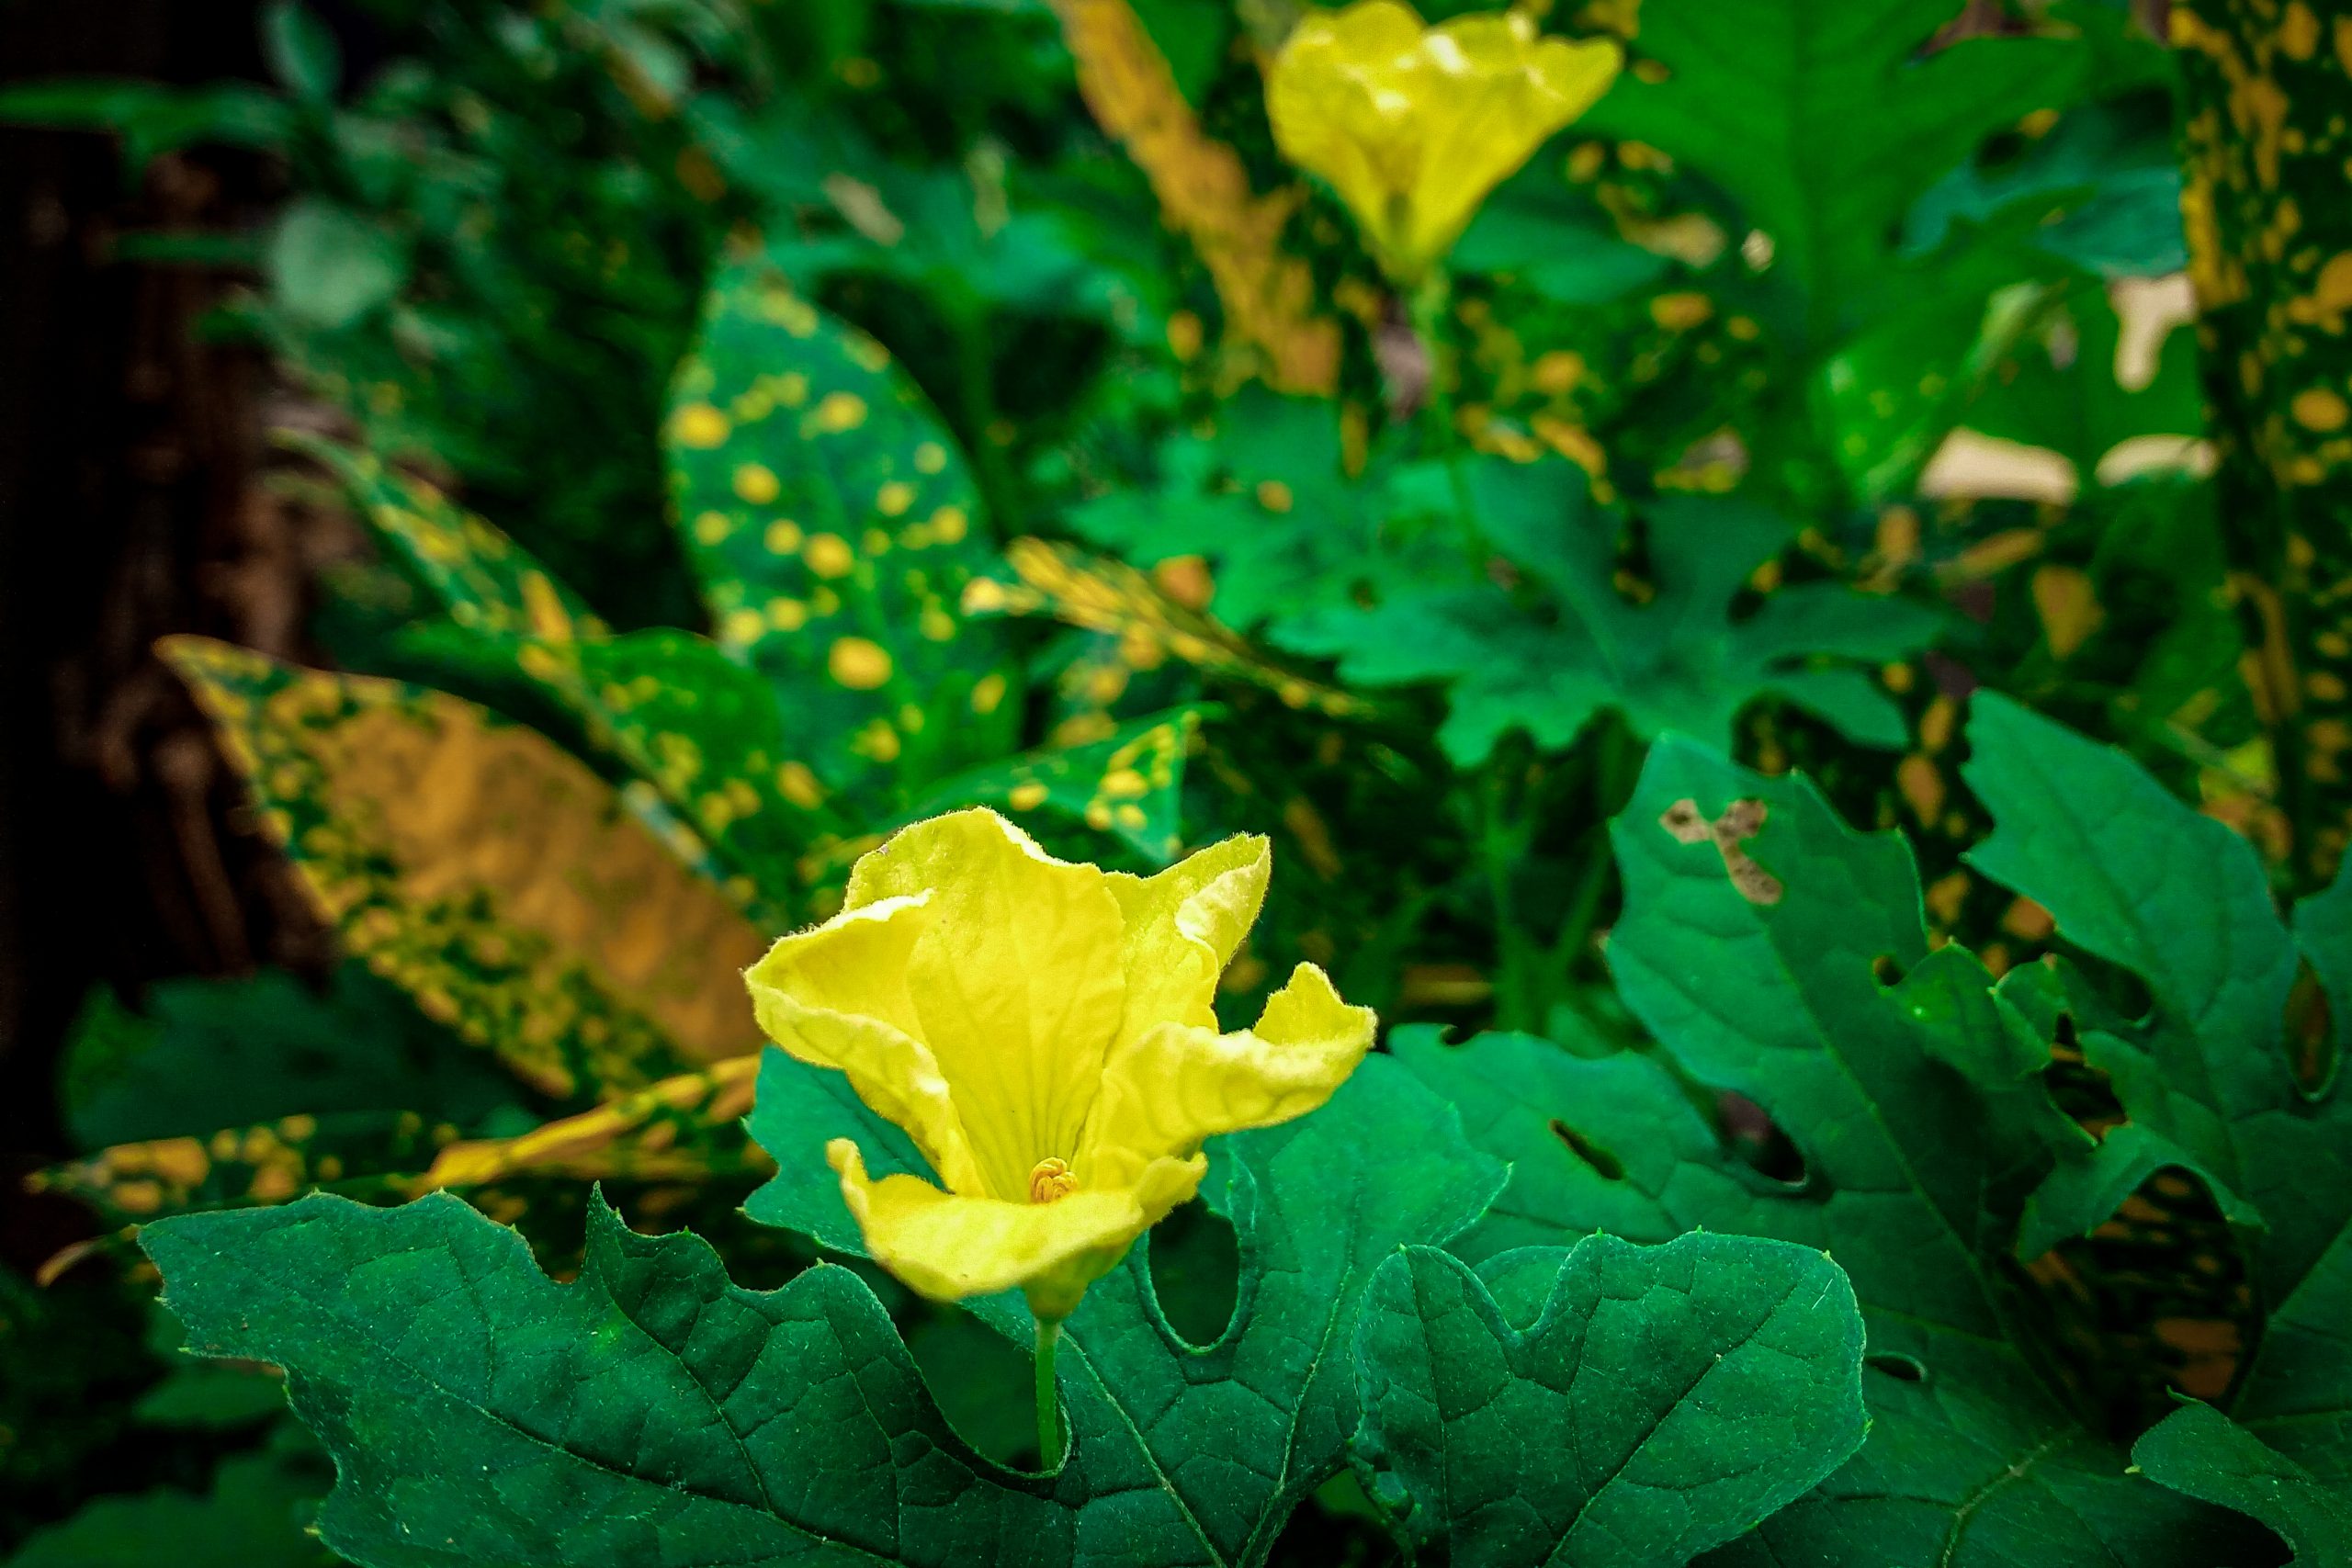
x=1534, y=230
x=153, y=119
x=301, y=50
x=1226, y=1437
x=1264, y=498
x=1130, y=784
x=2199, y=1450
x=251, y=1517
x=328, y=266
x=1679, y=664
x=2101, y=189
x=1523, y=1101
x=2142, y=882
x=1764, y=97
x=1620, y=1405
x=479, y=1411
x=833, y=525
x=1755, y=929
x=212, y=1054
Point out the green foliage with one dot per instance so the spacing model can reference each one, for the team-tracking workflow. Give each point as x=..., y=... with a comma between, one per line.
x=1678, y=662
x=737, y=397
x=2202, y=1453
x=1618, y=1405
x=1830, y=199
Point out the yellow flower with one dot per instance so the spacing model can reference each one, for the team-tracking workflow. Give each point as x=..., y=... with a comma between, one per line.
x=1043, y=1031
x=1413, y=125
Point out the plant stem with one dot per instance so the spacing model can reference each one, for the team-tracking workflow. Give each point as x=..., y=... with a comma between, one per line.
x=1049, y=1438
x=1614, y=748
x=1431, y=308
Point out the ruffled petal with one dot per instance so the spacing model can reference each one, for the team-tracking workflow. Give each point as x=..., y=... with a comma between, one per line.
x=1167, y=1090
x=1504, y=97
x=1183, y=926
x=837, y=996
x=948, y=1246
x=1015, y=983
x=1414, y=126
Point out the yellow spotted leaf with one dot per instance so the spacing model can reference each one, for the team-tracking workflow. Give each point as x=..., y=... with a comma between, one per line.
x=685, y=1128
x=495, y=877
x=1130, y=784
x=271, y=1162
x=702, y=729
x=833, y=523
x=1109, y=597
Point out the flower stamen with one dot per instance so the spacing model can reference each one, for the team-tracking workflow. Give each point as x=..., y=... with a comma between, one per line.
x=1051, y=1180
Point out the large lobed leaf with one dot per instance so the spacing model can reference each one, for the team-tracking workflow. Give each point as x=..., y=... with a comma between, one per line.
x=1548, y=658
x=1830, y=199
x=1228, y=1437
x=479, y=1411
x=1607, y=1403
x=1754, y=931
x=2137, y=879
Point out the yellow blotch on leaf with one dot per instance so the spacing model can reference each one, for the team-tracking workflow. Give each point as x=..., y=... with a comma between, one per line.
x=757, y=483
x=783, y=536
x=859, y=664
x=699, y=426
x=948, y=524
x=837, y=411
x=797, y=784
x=2321, y=409
x=829, y=555
x=1027, y=796
x=893, y=498
x=1413, y=125
x=1044, y=1033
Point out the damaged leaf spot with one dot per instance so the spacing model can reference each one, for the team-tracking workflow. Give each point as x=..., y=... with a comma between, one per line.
x=1607, y=1165
x=1741, y=821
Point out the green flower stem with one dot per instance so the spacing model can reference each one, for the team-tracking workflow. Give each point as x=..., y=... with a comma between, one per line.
x=1431, y=306
x=1049, y=1437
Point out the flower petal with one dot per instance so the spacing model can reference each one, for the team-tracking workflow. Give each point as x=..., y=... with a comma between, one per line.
x=1183, y=926
x=1166, y=1091
x=948, y=1246
x=1015, y=983
x=837, y=996
x=1505, y=96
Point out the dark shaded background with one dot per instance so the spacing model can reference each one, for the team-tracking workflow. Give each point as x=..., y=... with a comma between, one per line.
x=131, y=504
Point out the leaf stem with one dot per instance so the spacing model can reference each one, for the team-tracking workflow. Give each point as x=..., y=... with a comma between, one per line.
x=1050, y=1439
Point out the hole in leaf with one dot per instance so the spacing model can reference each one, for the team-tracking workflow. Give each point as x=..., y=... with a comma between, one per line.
x=1195, y=1272
x=1604, y=1164
x=1757, y=1141
x=1886, y=970
x=2310, y=1031
x=1902, y=1367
